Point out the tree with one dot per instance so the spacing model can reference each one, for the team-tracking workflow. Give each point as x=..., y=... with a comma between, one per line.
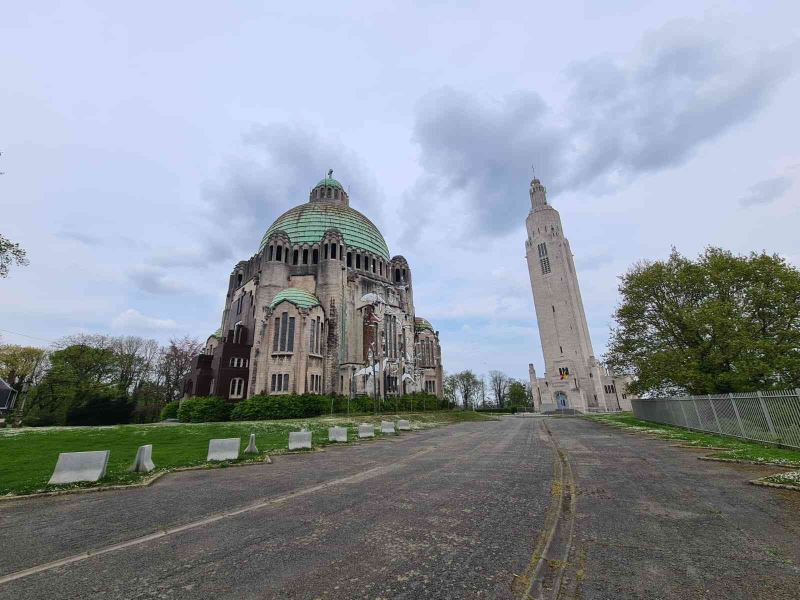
x=10, y=252
x=20, y=365
x=499, y=384
x=467, y=386
x=722, y=323
x=517, y=394
x=175, y=364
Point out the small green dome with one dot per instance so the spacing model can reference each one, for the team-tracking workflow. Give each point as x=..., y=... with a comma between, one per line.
x=307, y=223
x=300, y=298
x=329, y=182
x=420, y=324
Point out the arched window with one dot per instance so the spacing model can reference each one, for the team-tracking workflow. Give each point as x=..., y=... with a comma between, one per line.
x=269, y=254
x=295, y=257
x=358, y=261
x=278, y=253
x=237, y=388
x=397, y=275
x=349, y=259
x=239, y=280
x=315, y=256
x=305, y=256
x=333, y=250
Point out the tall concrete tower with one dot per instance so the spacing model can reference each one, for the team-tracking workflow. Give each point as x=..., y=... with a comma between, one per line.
x=573, y=378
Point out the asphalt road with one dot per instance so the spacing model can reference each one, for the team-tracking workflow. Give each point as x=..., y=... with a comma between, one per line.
x=476, y=510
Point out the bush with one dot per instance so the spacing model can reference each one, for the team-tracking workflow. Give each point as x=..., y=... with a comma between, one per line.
x=170, y=410
x=204, y=410
x=263, y=407
x=100, y=407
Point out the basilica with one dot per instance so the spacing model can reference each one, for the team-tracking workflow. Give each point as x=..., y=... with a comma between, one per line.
x=321, y=308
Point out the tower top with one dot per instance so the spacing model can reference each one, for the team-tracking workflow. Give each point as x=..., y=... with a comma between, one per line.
x=538, y=194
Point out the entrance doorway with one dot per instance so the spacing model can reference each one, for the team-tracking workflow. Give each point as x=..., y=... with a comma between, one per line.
x=561, y=400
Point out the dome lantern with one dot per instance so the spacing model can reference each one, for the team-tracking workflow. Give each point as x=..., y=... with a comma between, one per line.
x=329, y=190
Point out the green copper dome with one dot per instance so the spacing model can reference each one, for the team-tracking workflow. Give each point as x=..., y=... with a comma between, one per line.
x=329, y=182
x=420, y=324
x=307, y=223
x=300, y=298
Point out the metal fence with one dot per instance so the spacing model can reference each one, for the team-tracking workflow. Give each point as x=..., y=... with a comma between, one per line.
x=772, y=417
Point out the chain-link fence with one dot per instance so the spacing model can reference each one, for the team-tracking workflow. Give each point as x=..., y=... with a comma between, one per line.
x=772, y=417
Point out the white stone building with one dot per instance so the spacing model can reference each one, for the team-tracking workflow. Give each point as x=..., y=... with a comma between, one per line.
x=573, y=378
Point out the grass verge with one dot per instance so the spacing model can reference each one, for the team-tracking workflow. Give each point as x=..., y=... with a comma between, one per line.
x=792, y=479
x=734, y=448
x=28, y=455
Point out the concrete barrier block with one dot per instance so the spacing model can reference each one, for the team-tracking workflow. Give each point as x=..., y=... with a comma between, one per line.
x=387, y=427
x=299, y=439
x=80, y=466
x=365, y=430
x=337, y=434
x=143, y=463
x=404, y=425
x=251, y=446
x=224, y=449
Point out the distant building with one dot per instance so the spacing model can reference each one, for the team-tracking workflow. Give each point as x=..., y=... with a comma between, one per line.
x=573, y=377
x=8, y=397
x=318, y=309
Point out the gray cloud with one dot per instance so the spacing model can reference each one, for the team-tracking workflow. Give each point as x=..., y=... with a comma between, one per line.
x=767, y=191
x=83, y=238
x=212, y=250
x=621, y=120
x=155, y=281
x=281, y=164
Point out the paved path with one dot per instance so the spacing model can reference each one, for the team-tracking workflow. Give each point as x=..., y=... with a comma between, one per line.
x=460, y=512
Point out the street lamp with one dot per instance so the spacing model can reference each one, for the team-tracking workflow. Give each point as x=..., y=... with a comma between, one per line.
x=371, y=359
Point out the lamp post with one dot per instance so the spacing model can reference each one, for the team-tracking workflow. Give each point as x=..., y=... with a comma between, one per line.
x=371, y=359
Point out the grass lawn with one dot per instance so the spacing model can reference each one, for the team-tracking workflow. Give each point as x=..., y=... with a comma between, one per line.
x=28, y=455
x=735, y=448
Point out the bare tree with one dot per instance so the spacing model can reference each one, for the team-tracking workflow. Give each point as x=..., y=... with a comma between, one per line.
x=10, y=252
x=499, y=383
x=175, y=364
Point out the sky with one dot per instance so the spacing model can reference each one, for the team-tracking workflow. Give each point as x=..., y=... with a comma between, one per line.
x=146, y=148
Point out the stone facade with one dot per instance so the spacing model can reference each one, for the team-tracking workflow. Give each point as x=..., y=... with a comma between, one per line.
x=308, y=311
x=573, y=378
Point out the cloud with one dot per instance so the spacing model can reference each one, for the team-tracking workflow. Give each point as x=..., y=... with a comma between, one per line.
x=210, y=251
x=622, y=119
x=133, y=320
x=83, y=238
x=767, y=191
x=593, y=261
x=279, y=166
x=155, y=281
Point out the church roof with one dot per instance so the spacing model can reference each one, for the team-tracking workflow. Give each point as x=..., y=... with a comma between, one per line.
x=329, y=182
x=300, y=298
x=307, y=223
x=420, y=324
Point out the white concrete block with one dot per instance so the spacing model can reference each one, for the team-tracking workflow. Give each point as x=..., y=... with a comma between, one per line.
x=387, y=427
x=224, y=449
x=299, y=439
x=143, y=463
x=404, y=425
x=251, y=446
x=80, y=466
x=365, y=430
x=337, y=434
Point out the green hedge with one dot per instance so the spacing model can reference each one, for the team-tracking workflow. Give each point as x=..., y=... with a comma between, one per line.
x=510, y=410
x=170, y=410
x=204, y=410
x=293, y=406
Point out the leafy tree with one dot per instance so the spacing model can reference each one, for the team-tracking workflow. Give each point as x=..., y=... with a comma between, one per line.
x=721, y=323
x=20, y=365
x=517, y=394
x=10, y=252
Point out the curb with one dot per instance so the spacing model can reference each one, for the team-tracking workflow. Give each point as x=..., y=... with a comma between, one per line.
x=748, y=462
x=783, y=486
x=127, y=486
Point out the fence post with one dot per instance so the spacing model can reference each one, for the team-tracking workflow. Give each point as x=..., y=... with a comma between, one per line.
x=736, y=411
x=766, y=414
x=699, y=418
x=716, y=418
x=683, y=410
